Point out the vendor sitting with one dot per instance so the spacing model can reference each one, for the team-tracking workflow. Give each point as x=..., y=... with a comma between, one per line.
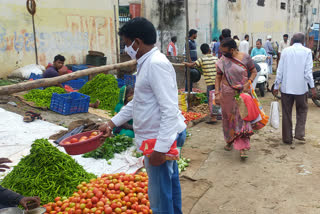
x=125, y=96
x=55, y=70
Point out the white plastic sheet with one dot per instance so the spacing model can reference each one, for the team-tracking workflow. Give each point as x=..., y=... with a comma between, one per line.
x=274, y=115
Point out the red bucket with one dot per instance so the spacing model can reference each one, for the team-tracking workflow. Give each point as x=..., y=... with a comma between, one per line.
x=83, y=146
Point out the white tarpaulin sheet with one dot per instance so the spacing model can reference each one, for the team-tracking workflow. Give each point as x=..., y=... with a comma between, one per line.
x=16, y=138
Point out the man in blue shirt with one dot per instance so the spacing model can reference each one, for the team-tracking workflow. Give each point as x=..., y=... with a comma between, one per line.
x=193, y=53
x=216, y=46
x=53, y=71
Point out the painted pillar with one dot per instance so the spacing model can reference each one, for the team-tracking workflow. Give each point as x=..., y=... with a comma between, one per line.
x=215, y=30
x=135, y=8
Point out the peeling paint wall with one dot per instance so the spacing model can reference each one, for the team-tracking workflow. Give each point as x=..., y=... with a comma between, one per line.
x=209, y=17
x=70, y=28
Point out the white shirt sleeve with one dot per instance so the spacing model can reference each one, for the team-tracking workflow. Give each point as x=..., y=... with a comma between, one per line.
x=308, y=70
x=170, y=50
x=164, y=88
x=124, y=115
x=279, y=72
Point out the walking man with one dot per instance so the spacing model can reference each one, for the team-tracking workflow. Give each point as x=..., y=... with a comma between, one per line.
x=155, y=113
x=269, y=49
x=295, y=74
x=244, y=45
x=283, y=44
x=172, y=49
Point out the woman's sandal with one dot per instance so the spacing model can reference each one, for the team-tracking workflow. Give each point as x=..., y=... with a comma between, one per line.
x=228, y=147
x=243, y=154
x=30, y=116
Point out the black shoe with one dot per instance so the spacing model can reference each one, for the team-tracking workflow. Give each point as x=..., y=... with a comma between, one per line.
x=288, y=143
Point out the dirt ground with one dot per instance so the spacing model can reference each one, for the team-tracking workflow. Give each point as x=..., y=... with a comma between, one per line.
x=275, y=178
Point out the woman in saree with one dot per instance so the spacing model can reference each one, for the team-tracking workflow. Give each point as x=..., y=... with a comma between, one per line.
x=235, y=72
x=125, y=96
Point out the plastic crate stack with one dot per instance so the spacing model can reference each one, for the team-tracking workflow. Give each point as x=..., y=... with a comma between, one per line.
x=79, y=68
x=127, y=80
x=34, y=76
x=71, y=103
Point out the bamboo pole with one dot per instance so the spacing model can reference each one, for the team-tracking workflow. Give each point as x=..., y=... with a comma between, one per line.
x=188, y=50
x=46, y=82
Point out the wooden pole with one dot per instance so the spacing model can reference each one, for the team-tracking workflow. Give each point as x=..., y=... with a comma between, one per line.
x=46, y=82
x=116, y=34
x=187, y=50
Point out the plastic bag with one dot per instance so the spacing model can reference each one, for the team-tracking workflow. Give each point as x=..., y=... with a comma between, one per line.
x=274, y=115
x=215, y=110
x=183, y=104
x=259, y=124
x=25, y=71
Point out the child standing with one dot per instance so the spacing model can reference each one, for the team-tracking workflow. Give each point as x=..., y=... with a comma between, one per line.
x=208, y=65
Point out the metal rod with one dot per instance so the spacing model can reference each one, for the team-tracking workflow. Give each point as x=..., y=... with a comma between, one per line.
x=35, y=39
x=187, y=51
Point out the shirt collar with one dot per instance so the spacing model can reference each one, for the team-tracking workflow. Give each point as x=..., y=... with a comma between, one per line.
x=297, y=44
x=146, y=55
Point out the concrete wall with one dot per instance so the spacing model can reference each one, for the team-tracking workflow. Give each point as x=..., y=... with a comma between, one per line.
x=70, y=28
x=209, y=17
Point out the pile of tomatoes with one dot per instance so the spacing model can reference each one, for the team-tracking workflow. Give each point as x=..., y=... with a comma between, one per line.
x=189, y=116
x=83, y=138
x=110, y=194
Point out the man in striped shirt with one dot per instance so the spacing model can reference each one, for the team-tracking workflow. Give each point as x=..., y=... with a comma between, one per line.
x=208, y=65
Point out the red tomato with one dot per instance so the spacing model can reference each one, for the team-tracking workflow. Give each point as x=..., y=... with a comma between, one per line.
x=100, y=204
x=94, y=133
x=86, y=211
x=74, y=140
x=94, y=200
x=107, y=210
x=57, y=199
x=117, y=210
x=78, y=211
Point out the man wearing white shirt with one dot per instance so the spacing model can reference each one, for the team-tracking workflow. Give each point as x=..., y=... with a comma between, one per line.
x=283, y=44
x=244, y=45
x=295, y=74
x=155, y=113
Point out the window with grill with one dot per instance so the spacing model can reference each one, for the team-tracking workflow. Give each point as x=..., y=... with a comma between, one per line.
x=300, y=10
x=283, y=5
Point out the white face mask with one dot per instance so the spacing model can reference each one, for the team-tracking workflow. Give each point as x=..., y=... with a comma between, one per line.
x=130, y=51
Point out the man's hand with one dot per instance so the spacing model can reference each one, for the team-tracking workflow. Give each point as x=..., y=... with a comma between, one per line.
x=106, y=129
x=314, y=93
x=157, y=158
x=30, y=202
x=3, y=167
x=275, y=92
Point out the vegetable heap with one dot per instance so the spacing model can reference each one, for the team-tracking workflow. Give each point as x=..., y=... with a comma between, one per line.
x=183, y=163
x=202, y=97
x=42, y=98
x=103, y=87
x=189, y=116
x=111, y=146
x=46, y=172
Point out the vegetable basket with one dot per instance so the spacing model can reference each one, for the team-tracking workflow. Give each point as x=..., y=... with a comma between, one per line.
x=71, y=103
x=81, y=147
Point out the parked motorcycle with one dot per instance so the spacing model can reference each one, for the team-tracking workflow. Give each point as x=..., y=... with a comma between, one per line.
x=316, y=78
x=263, y=78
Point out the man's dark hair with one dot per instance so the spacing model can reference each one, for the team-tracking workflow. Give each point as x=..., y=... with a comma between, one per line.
x=205, y=48
x=192, y=32
x=286, y=35
x=246, y=36
x=141, y=28
x=214, y=40
x=236, y=37
x=229, y=43
x=298, y=38
x=60, y=58
x=220, y=38
x=173, y=39
x=226, y=33
x=260, y=40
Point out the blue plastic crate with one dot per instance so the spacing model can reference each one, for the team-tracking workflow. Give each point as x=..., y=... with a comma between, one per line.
x=79, y=68
x=71, y=103
x=130, y=80
x=120, y=83
x=35, y=76
x=75, y=84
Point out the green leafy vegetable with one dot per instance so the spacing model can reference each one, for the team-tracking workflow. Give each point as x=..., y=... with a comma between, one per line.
x=111, y=146
x=46, y=172
x=202, y=97
x=42, y=98
x=103, y=87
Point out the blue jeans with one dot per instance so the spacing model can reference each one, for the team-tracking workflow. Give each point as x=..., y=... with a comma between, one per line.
x=164, y=187
x=181, y=138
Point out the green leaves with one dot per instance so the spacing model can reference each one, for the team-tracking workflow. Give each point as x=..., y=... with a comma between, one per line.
x=111, y=146
x=42, y=98
x=103, y=87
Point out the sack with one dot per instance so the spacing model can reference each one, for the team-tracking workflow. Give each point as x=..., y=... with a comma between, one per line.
x=274, y=115
x=247, y=108
x=215, y=110
x=25, y=72
x=183, y=104
x=264, y=118
x=148, y=145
